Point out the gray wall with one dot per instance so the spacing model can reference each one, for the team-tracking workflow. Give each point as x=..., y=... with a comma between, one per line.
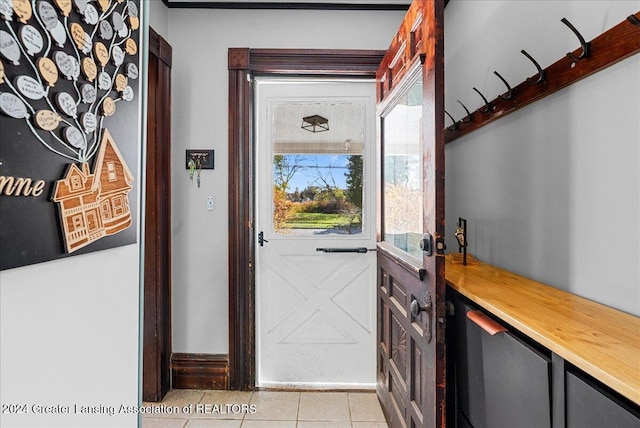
x=552, y=191
x=200, y=40
x=159, y=18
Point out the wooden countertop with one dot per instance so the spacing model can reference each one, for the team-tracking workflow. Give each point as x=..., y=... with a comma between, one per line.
x=602, y=341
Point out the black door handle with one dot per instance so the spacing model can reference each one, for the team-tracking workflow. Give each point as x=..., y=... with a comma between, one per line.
x=261, y=239
x=361, y=250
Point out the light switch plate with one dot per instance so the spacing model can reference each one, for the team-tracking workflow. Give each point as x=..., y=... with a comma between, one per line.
x=210, y=203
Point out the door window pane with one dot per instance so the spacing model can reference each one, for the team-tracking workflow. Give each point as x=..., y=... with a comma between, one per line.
x=317, y=176
x=402, y=190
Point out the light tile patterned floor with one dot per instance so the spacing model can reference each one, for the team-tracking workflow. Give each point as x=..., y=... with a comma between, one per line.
x=187, y=408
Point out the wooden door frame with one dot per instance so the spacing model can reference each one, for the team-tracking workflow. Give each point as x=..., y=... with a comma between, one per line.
x=244, y=64
x=156, y=351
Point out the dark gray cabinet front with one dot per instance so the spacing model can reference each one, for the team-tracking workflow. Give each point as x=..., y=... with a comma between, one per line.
x=501, y=381
x=589, y=406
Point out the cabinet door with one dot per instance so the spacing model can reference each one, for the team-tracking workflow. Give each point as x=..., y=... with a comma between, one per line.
x=517, y=383
x=501, y=380
x=588, y=406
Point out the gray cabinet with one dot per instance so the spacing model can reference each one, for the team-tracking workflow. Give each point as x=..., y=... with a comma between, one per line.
x=501, y=380
x=589, y=405
x=506, y=380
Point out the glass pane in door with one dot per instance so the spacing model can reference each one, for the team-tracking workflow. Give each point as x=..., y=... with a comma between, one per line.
x=318, y=167
x=402, y=190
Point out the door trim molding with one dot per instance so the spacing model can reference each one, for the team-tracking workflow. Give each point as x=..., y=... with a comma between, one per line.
x=243, y=64
x=156, y=347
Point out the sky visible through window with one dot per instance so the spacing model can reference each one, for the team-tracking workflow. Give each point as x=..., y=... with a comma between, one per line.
x=329, y=165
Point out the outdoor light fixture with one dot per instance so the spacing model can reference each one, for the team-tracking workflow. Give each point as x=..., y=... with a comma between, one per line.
x=315, y=123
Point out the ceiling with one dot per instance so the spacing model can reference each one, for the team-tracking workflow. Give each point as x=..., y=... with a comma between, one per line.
x=296, y=4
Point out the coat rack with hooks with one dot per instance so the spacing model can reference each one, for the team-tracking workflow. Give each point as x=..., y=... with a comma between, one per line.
x=612, y=46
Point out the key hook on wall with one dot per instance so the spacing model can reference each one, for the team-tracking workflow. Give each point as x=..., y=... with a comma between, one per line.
x=541, y=73
x=586, y=46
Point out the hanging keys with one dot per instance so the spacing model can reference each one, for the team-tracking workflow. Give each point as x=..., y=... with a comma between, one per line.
x=192, y=169
x=199, y=168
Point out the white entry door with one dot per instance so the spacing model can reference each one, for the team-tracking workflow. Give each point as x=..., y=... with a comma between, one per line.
x=315, y=226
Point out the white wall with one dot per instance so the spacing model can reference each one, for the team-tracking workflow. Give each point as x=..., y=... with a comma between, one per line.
x=551, y=191
x=200, y=40
x=70, y=336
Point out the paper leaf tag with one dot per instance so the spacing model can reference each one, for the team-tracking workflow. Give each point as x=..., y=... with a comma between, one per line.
x=89, y=68
x=64, y=6
x=67, y=104
x=127, y=94
x=120, y=82
x=31, y=39
x=130, y=47
x=47, y=14
x=47, y=120
x=9, y=47
x=91, y=15
x=74, y=137
x=89, y=122
x=48, y=70
x=23, y=10
x=30, y=87
x=132, y=71
x=88, y=93
x=59, y=34
x=108, y=107
x=6, y=9
x=104, y=81
x=13, y=106
x=106, y=30
x=102, y=53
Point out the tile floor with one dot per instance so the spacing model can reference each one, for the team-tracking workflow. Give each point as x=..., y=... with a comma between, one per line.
x=265, y=409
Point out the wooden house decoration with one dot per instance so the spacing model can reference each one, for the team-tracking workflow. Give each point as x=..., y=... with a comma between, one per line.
x=94, y=205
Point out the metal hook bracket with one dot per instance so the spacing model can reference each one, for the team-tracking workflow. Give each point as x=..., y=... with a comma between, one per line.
x=455, y=124
x=541, y=73
x=586, y=46
x=487, y=107
x=467, y=118
x=509, y=90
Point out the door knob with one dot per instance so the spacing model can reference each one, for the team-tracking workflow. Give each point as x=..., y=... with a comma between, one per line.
x=416, y=308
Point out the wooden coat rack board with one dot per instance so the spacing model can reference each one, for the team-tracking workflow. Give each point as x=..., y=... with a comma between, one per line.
x=612, y=46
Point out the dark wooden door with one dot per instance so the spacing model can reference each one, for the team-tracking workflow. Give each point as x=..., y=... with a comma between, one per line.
x=156, y=371
x=411, y=286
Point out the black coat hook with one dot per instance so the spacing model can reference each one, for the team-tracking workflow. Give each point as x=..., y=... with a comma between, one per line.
x=632, y=19
x=487, y=107
x=455, y=124
x=509, y=90
x=586, y=46
x=541, y=73
x=467, y=118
